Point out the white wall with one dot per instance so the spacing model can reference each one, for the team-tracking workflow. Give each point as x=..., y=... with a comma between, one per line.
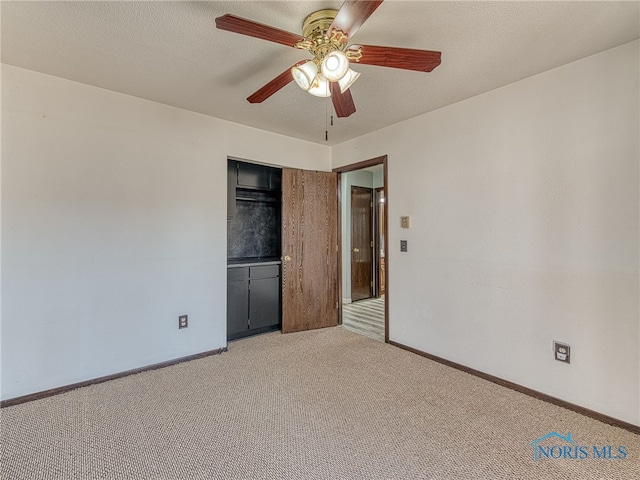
x=114, y=223
x=524, y=205
x=525, y=228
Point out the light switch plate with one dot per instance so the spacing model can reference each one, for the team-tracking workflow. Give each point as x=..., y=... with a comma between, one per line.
x=405, y=222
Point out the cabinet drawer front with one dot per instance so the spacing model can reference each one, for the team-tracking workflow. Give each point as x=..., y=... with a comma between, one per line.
x=265, y=271
x=236, y=274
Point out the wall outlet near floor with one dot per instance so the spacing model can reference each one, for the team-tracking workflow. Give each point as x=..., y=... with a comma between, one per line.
x=562, y=352
x=183, y=321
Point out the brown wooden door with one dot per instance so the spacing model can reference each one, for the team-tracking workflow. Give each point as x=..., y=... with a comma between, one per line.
x=361, y=243
x=309, y=250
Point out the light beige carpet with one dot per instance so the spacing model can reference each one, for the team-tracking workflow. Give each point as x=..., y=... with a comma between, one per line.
x=325, y=404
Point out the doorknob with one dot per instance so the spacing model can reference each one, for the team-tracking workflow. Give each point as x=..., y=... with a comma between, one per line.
x=287, y=258
x=356, y=250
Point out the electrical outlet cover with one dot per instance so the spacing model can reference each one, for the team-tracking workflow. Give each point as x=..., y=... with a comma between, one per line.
x=562, y=352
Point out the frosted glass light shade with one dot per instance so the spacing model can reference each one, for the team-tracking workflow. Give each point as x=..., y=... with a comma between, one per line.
x=347, y=80
x=304, y=74
x=320, y=87
x=335, y=66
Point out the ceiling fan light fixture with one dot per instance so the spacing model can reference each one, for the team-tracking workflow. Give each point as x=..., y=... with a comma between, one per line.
x=320, y=87
x=305, y=74
x=347, y=80
x=325, y=35
x=335, y=65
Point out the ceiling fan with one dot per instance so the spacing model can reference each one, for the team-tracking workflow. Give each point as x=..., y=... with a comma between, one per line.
x=325, y=34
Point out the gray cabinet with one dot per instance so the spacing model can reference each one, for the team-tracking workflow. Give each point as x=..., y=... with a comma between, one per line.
x=257, y=177
x=237, y=301
x=254, y=176
x=264, y=296
x=232, y=181
x=253, y=300
x=245, y=177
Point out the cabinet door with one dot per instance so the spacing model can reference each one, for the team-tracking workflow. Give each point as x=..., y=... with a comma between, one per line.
x=237, y=302
x=264, y=302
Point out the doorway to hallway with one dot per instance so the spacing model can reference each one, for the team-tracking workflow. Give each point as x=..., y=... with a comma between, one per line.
x=363, y=246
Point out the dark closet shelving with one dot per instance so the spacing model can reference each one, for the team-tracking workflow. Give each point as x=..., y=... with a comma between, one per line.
x=253, y=249
x=262, y=200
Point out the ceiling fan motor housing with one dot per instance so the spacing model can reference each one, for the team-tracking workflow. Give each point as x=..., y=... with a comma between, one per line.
x=314, y=28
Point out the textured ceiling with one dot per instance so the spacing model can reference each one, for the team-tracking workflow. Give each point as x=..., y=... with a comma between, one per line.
x=171, y=52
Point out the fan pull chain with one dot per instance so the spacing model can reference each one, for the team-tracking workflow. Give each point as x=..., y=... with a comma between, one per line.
x=326, y=116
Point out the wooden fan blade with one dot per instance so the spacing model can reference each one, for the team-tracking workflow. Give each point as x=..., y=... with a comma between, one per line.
x=342, y=102
x=352, y=15
x=405, y=58
x=273, y=86
x=243, y=26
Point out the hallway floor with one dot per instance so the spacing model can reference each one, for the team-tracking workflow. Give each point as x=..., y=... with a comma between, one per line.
x=365, y=317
